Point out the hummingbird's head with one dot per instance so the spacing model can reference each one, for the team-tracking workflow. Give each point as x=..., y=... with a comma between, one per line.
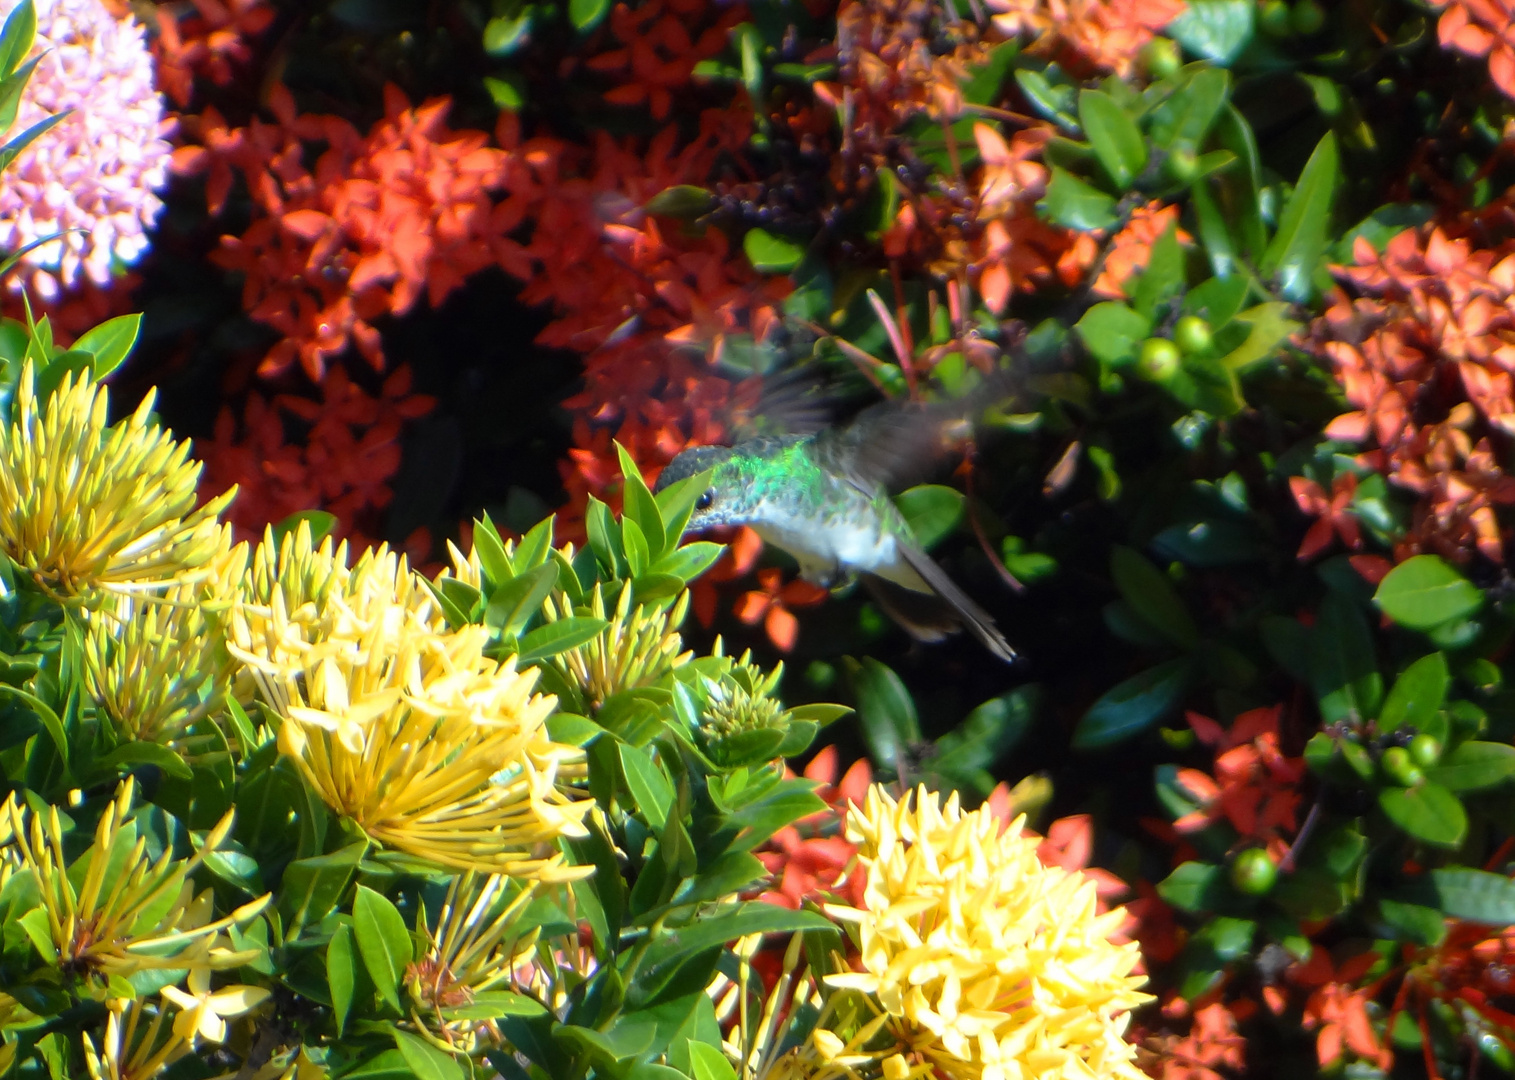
x=717, y=504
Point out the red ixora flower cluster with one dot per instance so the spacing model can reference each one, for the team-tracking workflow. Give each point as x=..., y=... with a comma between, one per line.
x=1425, y=352
x=206, y=39
x=377, y=219
x=343, y=463
x=1087, y=36
x=1482, y=28
x=1255, y=787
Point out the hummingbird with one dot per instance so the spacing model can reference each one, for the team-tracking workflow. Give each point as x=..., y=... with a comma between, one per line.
x=825, y=499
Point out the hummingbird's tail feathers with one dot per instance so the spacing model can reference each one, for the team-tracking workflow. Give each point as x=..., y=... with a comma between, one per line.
x=976, y=619
x=924, y=615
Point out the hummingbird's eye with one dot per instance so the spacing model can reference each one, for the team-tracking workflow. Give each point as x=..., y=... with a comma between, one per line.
x=705, y=499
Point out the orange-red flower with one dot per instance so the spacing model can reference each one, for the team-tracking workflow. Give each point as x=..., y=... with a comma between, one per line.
x=1254, y=787
x=1131, y=248
x=1430, y=335
x=1087, y=35
x=1339, y=1008
x=811, y=859
x=1212, y=1044
x=205, y=39
x=1482, y=28
x=771, y=601
x=1333, y=513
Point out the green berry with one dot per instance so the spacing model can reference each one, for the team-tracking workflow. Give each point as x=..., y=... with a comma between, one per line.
x=1307, y=18
x=1192, y=335
x=1182, y=164
x=1161, y=58
x=1275, y=19
x=1254, y=872
x=1159, y=360
x=1399, y=768
x=1425, y=750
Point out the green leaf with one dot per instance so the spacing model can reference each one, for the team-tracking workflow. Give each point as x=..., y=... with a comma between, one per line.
x=320, y=523
x=1217, y=30
x=12, y=149
x=1194, y=886
x=771, y=254
x=493, y=560
x=1215, y=234
x=635, y=543
x=552, y=638
x=1185, y=118
x=426, y=1061
x=1113, y=332
x=1270, y=327
x=1472, y=766
x=1132, y=706
x=887, y=712
x=1148, y=590
x=688, y=562
x=17, y=36
x=649, y=786
x=341, y=974
x=383, y=942
x=683, y=201
x=1423, y=592
x=1343, y=668
x=505, y=33
x=1055, y=102
x=587, y=14
x=111, y=342
x=518, y=600
x=11, y=89
x=1304, y=225
x=147, y=753
x=709, y=1063
x=640, y=506
x=1417, y=694
x=1427, y=812
x=932, y=511
x=1475, y=895
x=1163, y=276
x=666, y=953
x=1074, y=204
x=311, y=887
x=1114, y=135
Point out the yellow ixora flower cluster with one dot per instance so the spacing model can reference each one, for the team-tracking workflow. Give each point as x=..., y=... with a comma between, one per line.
x=401, y=724
x=87, y=506
x=983, y=963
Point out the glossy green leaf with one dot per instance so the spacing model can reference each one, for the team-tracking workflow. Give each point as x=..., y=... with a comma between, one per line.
x=1217, y=30
x=1304, y=225
x=1114, y=135
x=708, y=1063
x=1473, y=766
x=311, y=887
x=16, y=36
x=770, y=254
x=1270, y=326
x=690, y=561
x=887, y=712
x=426, y=1061
x=1163, y=276
x=1428, y=812
x=1152, y=596
x=111, y=342
x=1074, y=204
x=1417, y=694
x=341, y=973
x=553, y=638
x=649, y=786
x=134, y=753
x=1184, y=119
x=383, y=942
x=504, y=34
x=640, y=506
x=1194, y=886
x=1424, y=592
x=1475, y=895
x=1132, y=706
x=932, y=511
x=1055, y=102
x=519, y=600
x=1113, y=332
x=587, y=14
x=1342, y=664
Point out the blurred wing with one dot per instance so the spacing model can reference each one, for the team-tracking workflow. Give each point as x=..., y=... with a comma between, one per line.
x=895, y=445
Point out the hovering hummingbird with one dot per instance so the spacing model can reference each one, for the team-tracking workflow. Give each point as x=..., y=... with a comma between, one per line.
x=824, y=498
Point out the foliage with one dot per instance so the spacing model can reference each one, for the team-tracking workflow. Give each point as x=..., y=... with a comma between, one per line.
x=292, y=807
